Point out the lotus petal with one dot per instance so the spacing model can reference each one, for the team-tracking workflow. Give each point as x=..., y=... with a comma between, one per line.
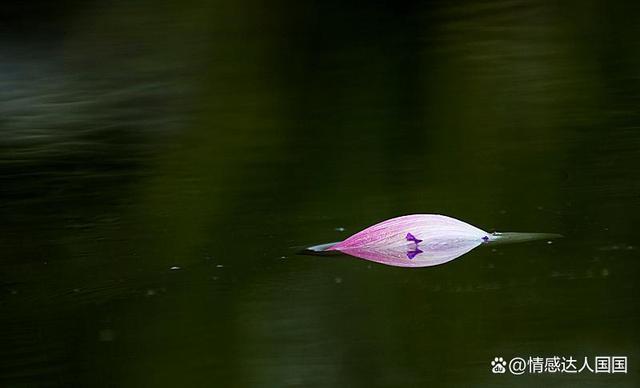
x=417, y=240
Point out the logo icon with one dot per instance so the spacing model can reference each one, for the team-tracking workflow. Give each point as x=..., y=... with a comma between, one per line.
x=498, y=365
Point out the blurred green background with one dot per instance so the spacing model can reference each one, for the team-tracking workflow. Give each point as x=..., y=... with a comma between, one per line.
x=161, y=163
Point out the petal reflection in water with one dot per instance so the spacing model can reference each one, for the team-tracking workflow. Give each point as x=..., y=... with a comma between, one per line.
x=427, y=254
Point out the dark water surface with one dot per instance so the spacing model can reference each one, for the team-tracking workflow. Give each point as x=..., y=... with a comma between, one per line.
x=161, y=163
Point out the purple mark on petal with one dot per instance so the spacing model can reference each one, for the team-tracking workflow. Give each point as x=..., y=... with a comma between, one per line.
x=485, y=238
x=413, y=238
x=413, y=253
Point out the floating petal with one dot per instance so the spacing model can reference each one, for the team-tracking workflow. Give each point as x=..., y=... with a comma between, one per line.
x=419, y=240
x=414, y=241
x=417, y=228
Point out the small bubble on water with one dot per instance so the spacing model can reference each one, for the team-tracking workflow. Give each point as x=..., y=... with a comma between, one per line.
x=175, y=268
x=219, y=266
x=604, y=272
x=339, y=229
x=150, y=292
x=549, y=242
x=338, y=280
